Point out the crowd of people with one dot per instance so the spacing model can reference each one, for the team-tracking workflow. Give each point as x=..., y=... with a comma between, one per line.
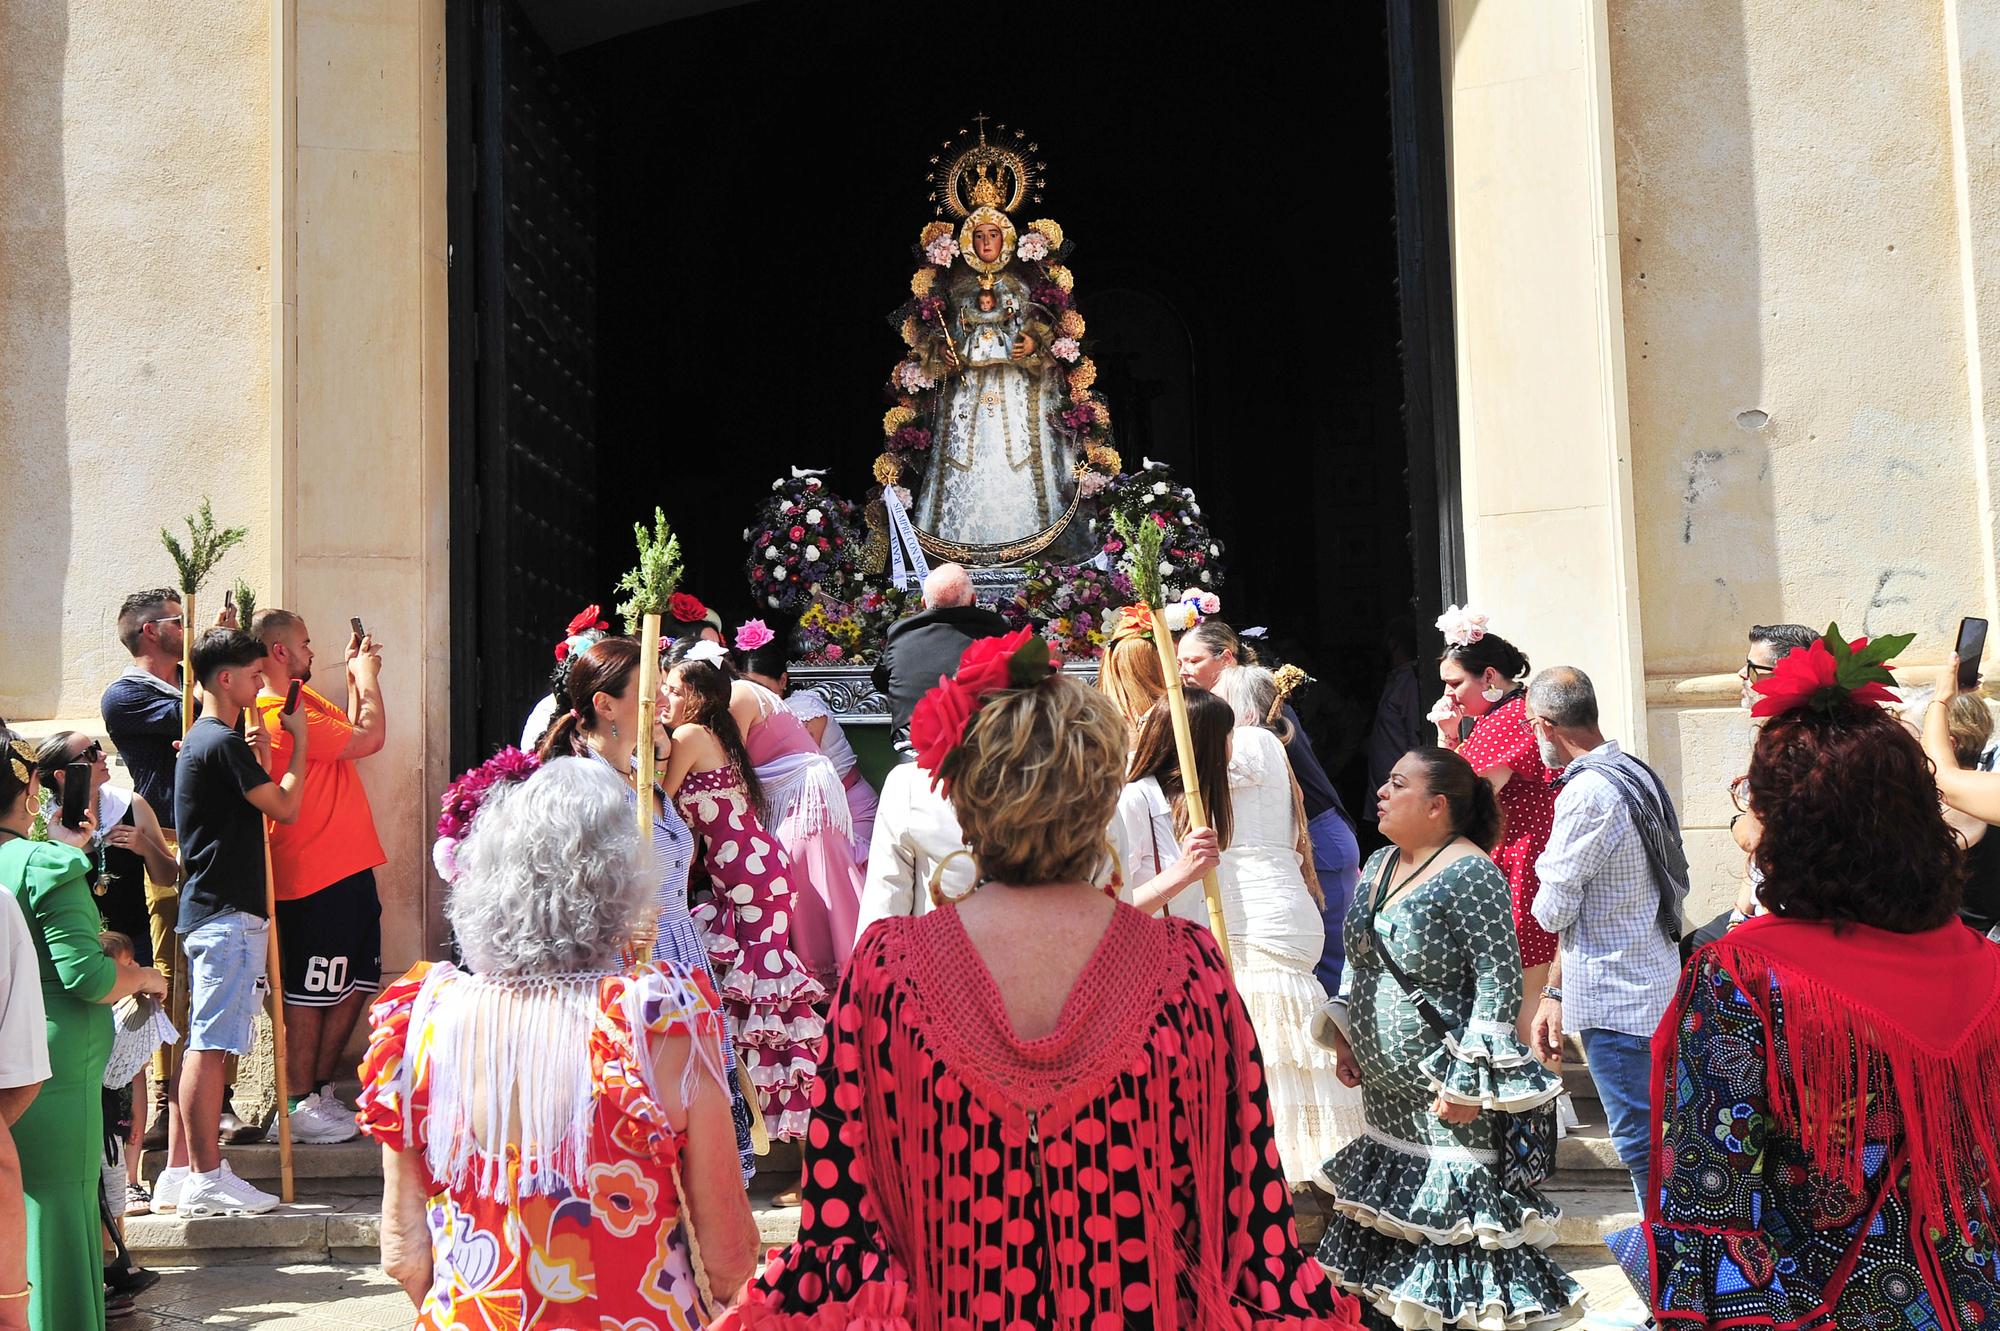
x=1065, y=1013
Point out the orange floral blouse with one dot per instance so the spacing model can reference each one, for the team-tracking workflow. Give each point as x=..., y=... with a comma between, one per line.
x=603, y=1251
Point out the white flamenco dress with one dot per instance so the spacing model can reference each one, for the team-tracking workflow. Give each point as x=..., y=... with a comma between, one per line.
x=1275, y=937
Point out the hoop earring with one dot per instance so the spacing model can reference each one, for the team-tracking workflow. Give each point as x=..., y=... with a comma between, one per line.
x=938, y=898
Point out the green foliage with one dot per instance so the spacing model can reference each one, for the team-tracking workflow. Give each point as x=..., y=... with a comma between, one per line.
x=1144, y=539
x=204, y=549
x=246, y=603
x=658, y=575
x=1870, y=664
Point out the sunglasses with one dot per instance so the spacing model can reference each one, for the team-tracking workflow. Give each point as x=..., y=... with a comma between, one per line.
x=1752, y=671
x=168, y=619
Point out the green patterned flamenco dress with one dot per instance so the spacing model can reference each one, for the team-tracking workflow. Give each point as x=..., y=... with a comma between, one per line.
x=1423, y=1231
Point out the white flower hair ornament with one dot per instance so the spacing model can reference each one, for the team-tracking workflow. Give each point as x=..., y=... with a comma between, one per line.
x=708, y=652
x=1461, y=625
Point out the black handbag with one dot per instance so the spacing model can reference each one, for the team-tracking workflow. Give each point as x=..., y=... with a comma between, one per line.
x=1527, y=1138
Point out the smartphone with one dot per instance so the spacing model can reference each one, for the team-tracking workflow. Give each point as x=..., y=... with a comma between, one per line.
x=228, y=598
x=292, y=698
x=1971, y=646
x=354, y=622
x=76, y=794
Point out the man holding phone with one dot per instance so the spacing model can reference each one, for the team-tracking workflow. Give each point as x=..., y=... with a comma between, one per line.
x=222, y=795
x=323, y=869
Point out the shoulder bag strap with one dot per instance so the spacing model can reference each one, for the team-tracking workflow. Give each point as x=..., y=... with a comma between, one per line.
x=1425, y=1009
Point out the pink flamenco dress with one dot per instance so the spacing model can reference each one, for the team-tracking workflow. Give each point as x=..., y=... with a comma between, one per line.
x=573, y=1218
x=747, y=924
x=808, y=810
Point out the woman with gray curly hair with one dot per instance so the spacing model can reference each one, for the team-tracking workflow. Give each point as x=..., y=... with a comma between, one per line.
x=557, y=1113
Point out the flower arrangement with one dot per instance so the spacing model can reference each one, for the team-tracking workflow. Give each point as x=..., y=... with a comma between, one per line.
x=1190, y=557
x=833, y=632
x=1070, y=605
x=804, y=540
x=1831, y=673
x=462, y=798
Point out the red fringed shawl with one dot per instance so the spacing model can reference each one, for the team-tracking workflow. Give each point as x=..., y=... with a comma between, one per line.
x=1120, y=1170
x=1915, y=1011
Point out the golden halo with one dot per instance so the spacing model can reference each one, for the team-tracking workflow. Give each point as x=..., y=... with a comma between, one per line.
x=978, y=217
x=972, y=171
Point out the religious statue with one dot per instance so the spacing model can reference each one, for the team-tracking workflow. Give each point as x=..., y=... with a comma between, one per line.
x=996, y=429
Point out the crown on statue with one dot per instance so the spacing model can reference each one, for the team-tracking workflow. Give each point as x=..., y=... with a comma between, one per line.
x=986, y=193
x=972, y=173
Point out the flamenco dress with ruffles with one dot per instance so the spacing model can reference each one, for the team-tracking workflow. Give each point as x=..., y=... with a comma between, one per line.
x=574, y=1221
x=746, y=923
x=1422, y=1228
x=1118, y=1172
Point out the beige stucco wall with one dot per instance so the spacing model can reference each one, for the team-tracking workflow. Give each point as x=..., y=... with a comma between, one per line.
x=1809, y=234
x=134, y=317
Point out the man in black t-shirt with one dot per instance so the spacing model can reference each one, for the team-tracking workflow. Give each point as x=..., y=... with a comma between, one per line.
x=222, y=795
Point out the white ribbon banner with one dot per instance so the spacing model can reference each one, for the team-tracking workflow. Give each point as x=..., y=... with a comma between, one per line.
x=906, y=553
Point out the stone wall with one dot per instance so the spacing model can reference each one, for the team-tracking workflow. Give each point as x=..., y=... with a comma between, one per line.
x=134, y=317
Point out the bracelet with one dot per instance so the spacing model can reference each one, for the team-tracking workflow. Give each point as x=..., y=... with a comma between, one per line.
x=1550, y=991
x=20, y=1293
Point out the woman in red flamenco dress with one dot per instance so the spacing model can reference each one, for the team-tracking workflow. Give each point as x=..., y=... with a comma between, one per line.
x=1044, y=1108
x=746, y=922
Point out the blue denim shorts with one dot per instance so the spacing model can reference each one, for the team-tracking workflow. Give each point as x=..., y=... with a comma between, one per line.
x=226, y=982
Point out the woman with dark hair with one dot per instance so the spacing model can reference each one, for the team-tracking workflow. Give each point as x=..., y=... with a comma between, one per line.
x=1423, y=1227
x=1043, y=1108
x=767, y=666
x=1824, y=1079
x=597, y=717
x=1163, y=855
x=748, y=918
x=1483, y=718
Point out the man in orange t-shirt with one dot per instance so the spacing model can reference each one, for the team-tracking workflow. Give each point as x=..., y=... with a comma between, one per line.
x=323, y=870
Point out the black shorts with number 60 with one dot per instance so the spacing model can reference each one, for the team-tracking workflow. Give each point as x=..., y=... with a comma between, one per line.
x=330, y=943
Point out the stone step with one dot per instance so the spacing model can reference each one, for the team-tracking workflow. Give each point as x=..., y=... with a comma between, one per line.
x=358, y=1161
x=1589, y=1214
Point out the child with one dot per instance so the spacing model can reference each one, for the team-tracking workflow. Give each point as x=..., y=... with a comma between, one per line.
x=222, y=795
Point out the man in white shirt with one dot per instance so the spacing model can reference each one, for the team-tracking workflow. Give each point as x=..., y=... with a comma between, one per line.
x=24, y=1066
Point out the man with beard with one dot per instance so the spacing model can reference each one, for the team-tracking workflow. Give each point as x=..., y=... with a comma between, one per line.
x=323, y=869
x=1612, y=882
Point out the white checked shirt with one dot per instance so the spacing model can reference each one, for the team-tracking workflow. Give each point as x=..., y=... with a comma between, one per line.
x=1598, y=895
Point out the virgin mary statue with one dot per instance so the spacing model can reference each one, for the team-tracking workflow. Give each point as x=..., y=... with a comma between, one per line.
x=999, y=483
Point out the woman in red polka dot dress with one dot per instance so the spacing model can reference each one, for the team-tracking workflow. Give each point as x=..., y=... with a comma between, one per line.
x=1483, y=716
x=1042, y=1108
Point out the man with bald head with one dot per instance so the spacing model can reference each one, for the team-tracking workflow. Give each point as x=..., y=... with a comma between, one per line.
x=1612, y=882
x=926, y=645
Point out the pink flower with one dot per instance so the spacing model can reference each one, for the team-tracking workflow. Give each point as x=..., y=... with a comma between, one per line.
x=1065, y=348
x=910, y=377
x=797, y=533
x=942, y=250
x=753, y=634
x=833, y=652
x=1033, y=246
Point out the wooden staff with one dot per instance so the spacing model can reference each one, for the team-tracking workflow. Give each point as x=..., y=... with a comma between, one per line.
x=1190, y=775
x=649, y=700
x=272, y=956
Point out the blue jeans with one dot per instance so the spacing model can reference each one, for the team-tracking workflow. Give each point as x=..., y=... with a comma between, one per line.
x=1337, y=860
x=226, y=983
x=1622, y=1067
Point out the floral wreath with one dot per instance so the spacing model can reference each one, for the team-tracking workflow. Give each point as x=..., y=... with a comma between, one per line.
x=1462, y=625
x=1830, y=673
x=1017, y=660
x=463, y=798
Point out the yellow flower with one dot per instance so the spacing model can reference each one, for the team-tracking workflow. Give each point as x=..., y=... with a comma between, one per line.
x=1070, y=325
x=1105, y=458
x=1062, y=277
x=932, y=230
x=1083, y=376
x=920, y=281
x=1048, y=227
x=1102, y=411
x=813, y=618
x=910, y=331
x=887, y=469
x=895, y=418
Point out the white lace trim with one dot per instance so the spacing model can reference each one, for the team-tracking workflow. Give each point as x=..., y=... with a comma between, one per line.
x=1459, y=1155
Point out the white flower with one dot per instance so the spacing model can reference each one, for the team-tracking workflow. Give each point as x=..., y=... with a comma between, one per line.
x=1180, y=617
x=813, y=516
x=1462, y=626
x=1092, y=484
x=770, y=552
x=942, y=251
x=1159, y=487
x=774, y=601
x=1208, y=603
x=1065, y=348
x=746, y=533
x=812, y=554
x=1034, y=245
x=1166, y=566
x=910, y=376
x=1205, y=577
x=902, y=493
x=778, y=484
x=779, y=575
x=1214, y=549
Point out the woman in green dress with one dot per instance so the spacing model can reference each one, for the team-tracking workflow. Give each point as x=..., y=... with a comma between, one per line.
x=61, y=1135
x=1423, y=1231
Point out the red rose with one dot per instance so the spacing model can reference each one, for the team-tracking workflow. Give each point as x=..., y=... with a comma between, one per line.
x=937, y=726
x=1013, y=660
x=685, y=608
x=587, y=620
x=562, y=650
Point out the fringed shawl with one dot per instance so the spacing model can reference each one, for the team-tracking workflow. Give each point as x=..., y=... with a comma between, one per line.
x=1915, y=1014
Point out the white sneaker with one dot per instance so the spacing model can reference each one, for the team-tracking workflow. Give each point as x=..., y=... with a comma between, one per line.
x=167, y=1189
x=317, y=1124
x=223, y=1194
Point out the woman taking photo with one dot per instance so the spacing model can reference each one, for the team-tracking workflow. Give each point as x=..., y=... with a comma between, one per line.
x=1276, y=917
x=1828, y=1110
x=1013, y=1132
x=597, y=717
x=60, y=1137
x=554, y=1124
x=749, y=917
x=1482, y=717
x=1423, y=1228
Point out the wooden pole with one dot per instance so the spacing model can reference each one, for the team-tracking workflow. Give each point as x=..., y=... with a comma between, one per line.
x=277, y=991
x=177, y=989
x=649, y=701
x=1190, y=775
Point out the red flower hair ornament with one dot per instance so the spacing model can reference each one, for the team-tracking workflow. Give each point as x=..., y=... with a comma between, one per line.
x=1830, y=672
x=686, y=609
x=1017, y=660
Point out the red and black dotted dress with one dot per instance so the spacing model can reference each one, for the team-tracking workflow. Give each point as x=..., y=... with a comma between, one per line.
x=1119, y=1172
x=1501, y=738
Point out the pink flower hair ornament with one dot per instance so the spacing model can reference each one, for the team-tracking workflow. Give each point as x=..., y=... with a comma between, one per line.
x=1462, y=625
x=462, y=798
x=752, y=634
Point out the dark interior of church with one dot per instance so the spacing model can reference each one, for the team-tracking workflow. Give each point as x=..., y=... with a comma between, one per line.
x=752, y=182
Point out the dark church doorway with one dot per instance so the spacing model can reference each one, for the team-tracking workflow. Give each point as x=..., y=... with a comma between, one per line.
x=678, y=227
